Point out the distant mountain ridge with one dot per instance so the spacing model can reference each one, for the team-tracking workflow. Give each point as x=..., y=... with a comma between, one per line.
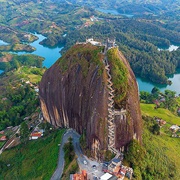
x=123, y=5
x=120, y=2
x=132, y=6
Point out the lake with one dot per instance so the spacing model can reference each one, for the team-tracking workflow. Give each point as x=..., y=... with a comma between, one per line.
x=3, y=43
x=145, y=85
x=113, y=12
x=52, y=54
x=171, y=48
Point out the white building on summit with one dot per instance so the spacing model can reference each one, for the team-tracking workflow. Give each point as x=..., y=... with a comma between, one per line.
x=95, y=43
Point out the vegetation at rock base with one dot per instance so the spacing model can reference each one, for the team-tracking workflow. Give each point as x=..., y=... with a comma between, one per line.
x=36, y=160
x=159, y=157
x=161, y=145
x=135, y=154
x=71, y=165
x=71, y=169
x=69, y=152
x=83, y=55
x=160, y=149
x=119, y=75
x=83, y=144
x=108, y=155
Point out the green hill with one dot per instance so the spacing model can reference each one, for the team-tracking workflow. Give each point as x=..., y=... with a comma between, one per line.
x=35, y=160
x=162, y=151
x=165, y=114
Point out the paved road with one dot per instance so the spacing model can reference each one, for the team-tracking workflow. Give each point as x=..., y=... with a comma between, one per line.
x=69, y=133
x=81, y=158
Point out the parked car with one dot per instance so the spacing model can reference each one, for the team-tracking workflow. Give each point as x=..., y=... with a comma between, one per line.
x=94, y=166
x=85, y=162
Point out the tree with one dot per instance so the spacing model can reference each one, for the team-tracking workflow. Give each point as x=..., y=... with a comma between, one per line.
x=155, y=90
x=24, y=132
x=135, y=153
x=137, y=173
x=156, y=129
x=169, y=93
x=170, y=102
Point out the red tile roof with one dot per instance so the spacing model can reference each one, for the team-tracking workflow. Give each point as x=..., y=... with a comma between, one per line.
x=3, y=138
x=36, y=134
x=82, y=176
x=1, y=132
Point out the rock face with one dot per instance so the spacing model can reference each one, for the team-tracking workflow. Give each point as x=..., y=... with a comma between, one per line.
x=73, y=93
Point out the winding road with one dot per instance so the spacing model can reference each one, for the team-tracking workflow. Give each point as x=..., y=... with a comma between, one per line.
x=81, y=158
x=60, y=167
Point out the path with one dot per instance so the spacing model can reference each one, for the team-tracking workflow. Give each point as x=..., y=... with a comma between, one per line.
x=112, y=112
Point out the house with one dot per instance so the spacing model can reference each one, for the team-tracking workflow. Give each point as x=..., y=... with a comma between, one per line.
x=116, y=162
x=129, y=172
x=116, y=170
x=178, y=111
x=156, y=102
x=1, y=132
x=162, y=99
x=174, y=128
x=35, y=135
x=4, y=99
x=123, y=171
x=161, y=122
x=82, y=176
x=108, y=176
x=36, y=89
x=93, y=18
x=3, y=138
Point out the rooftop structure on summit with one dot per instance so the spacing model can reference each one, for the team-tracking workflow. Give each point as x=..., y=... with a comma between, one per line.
x=110, y=43
x=93, y=42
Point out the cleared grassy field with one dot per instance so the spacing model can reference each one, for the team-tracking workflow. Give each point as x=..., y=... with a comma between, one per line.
x=33, y=74
x=36, y=160
x=165, y=114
